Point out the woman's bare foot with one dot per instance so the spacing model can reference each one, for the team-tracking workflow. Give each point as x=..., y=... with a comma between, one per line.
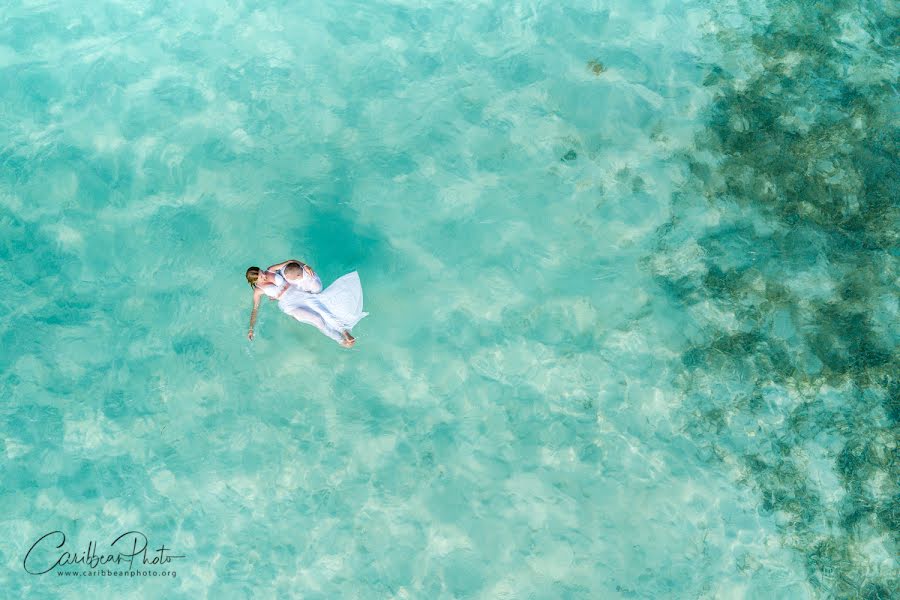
x=349, y=340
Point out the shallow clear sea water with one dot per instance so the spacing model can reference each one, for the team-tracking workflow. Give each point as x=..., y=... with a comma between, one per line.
x=631, y=271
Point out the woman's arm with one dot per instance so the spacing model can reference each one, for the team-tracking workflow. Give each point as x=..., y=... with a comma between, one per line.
x=316, y=284
x=256, y=295
x=281, y=265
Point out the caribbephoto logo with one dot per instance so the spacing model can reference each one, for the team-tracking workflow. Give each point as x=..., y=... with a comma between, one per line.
x=128, y=555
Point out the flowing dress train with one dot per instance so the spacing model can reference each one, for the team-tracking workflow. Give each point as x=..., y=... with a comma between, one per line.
x=337, y=308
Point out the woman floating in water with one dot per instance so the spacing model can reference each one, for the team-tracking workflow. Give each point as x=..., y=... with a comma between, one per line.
x=333, y=311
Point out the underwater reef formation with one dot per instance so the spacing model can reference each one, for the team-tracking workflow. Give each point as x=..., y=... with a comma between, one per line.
x=793, y=382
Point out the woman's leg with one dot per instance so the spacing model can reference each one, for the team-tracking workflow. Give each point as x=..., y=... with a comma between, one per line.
x=304, y=315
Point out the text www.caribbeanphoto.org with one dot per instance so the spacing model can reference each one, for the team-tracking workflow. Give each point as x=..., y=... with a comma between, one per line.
x=106, y=573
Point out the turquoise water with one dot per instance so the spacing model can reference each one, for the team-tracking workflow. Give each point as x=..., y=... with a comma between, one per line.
x=631, y=271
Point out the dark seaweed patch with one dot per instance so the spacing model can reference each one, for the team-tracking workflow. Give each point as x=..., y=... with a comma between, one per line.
x=814, y=152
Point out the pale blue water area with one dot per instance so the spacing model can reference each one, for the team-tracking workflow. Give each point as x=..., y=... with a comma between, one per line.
x=631, y=271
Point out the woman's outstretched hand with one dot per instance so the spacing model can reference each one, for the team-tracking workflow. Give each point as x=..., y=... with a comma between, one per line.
x=250, y=335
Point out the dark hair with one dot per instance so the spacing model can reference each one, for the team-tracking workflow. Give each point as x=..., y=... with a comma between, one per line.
x=253, y=275
x=292, y=268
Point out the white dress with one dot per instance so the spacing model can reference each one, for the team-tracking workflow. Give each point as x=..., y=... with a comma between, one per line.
x=312, y=284
x=335, y=309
